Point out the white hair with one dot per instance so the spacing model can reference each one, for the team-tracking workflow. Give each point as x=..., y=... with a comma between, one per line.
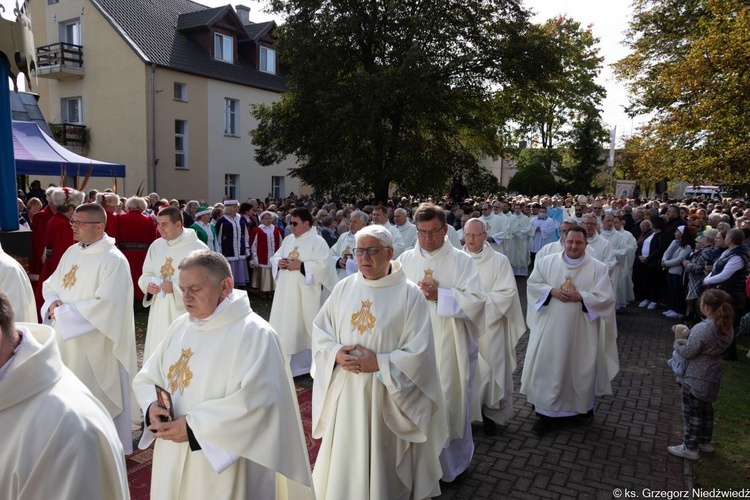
x=363, y=217
x=378, y=232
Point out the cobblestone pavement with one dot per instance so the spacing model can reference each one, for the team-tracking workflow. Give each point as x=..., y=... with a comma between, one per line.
x=624, y=446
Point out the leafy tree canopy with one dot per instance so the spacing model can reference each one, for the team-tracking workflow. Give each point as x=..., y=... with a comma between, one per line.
x=689, y=67
x=394, y=92
x=585, y=155
x=545, y=107
x=533, y=180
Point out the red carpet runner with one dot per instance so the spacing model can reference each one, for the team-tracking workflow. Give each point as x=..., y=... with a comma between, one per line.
x=139, y=463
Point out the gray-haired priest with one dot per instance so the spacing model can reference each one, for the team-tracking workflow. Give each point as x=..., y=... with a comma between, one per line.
x=377, y=402
x=234, y=429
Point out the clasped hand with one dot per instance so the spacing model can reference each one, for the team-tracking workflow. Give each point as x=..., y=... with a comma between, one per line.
x=367, y=362
x=564, y=296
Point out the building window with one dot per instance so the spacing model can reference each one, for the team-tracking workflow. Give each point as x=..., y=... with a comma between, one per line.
x=277, y=186
x=223, y=48
x=181, y=144
x=51, y=2
x=72, y=110
x=230, y=116
x=231, y=181
x=180, y=92
x=268, y=60
x=70, y=31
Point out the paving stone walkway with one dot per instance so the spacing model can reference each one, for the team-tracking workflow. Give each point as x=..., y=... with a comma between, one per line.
x=623, y=447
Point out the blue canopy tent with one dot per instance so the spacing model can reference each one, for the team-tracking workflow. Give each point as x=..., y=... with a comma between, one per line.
x=36, y=153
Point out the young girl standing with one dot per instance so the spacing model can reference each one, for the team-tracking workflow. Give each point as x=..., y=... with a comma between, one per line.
x=700, y=385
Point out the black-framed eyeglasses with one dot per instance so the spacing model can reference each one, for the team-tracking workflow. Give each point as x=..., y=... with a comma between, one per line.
x=425, y=232
x=371, y=251
x=77, y=223
x=486, y=208
x=295, y=224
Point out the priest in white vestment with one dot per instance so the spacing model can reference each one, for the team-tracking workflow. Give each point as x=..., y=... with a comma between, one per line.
x=517, y=241
x=406, y=228
x=58, y=439
x=620, y=248
x=626, y=283
x=16, y=284
x=236, y=431
x=492, y=400
x=572, y=352
x=342, y=252
x=377, y=401
x=543, y=230
x=302, y=267
x=449, y=280
x=380, y=217
x=88, y=300
x=602, y=250
x=160, y=276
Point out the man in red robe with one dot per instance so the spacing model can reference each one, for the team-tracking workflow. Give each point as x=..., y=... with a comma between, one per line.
x=58, y=235
x=109, y=201
x=38, y=230
x=135, y=233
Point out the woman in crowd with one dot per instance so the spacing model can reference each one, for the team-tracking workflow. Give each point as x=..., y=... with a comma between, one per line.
x=264, y=241
x=695, y=271
x=677, y=252
x=700, y=384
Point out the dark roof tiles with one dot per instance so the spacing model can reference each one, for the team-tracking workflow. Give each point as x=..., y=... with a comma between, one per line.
x=151, y=28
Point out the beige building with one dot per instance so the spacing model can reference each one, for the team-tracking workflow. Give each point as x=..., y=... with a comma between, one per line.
x=165, y=87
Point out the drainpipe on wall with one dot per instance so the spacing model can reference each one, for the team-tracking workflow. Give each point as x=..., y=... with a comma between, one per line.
x=152, y=163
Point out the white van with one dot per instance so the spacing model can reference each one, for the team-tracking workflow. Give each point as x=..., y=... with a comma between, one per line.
x=711, y=192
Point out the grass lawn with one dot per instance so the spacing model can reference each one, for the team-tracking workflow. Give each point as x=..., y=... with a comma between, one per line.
x=729, y=467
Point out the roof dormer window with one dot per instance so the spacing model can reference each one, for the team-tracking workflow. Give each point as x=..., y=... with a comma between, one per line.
x=223, y=48
x=268, y=60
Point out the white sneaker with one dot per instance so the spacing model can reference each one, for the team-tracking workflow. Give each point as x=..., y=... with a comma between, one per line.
x=706, y=448
x=681, y=451
x=674, y=315
x=644, y=303
x=652, y=305
x=668, y=313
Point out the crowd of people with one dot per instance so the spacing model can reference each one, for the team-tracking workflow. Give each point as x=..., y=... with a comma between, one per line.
x=406, y=314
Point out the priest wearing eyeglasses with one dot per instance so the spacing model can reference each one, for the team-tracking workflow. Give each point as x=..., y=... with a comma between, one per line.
x=449, y=280
x=88, y=301
x=302, y=268
x=377, y=402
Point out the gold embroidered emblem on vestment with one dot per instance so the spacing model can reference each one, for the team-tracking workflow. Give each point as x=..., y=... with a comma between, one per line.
x=70, y=278
x=294, y=254
x=568, y=286
x=179, y=375
x=429, y=279
x=167, y=270
x=487, y=226
x=347, y=251
x=363, y=321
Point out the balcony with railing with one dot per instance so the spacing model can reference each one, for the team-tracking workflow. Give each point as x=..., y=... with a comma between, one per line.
x=60, y=61
x=72, y=136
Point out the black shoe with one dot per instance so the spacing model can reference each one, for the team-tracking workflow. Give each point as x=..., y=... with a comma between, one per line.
x=543, y=425
x=490, y=427
x=458, y=480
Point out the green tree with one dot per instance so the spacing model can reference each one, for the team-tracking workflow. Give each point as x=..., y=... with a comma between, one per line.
x=533, y=180
x=545, y=107
x=394, y=92
x=689, y=69
x=586, y=155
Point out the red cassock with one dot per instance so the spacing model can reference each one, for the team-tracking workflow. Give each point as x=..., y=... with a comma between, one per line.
x=57, y=238
x=135, y=233
x=38, y=231
x=112, y=226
